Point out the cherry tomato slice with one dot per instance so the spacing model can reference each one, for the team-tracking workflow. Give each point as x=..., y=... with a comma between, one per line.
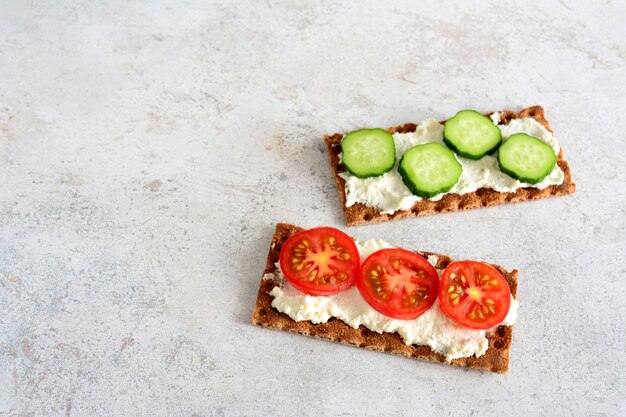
x=320, y=261
x=474, y=295
x=398, y=283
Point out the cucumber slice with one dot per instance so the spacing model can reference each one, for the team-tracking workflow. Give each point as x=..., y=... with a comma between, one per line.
x=471, y=135
x=429, y=169
x=368, y=152
x=526, y=158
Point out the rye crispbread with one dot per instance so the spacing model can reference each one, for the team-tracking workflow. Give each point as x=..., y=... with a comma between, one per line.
x=358, y=213
x=496, y=359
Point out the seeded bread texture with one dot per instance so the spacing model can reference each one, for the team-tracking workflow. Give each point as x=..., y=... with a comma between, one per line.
x=358, y=213
x=496, y=359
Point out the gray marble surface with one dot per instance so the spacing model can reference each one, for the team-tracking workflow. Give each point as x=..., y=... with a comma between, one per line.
x=148, y=148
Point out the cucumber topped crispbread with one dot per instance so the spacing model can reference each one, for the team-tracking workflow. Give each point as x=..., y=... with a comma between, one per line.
x=358, y=213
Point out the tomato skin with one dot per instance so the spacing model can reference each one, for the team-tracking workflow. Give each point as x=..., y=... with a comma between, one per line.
x=320, y=261
x=474, y=295
x=391, y=278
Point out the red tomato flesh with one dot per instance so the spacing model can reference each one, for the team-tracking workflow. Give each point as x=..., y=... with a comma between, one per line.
x=398, y=283
x=320, y=261
x=474, y=295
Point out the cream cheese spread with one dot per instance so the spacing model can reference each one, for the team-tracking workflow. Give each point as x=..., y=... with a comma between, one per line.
x=389, y=194
x=432, y=328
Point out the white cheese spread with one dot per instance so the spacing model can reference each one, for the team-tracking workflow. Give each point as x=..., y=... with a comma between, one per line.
x=432, y=328
x=388, y=193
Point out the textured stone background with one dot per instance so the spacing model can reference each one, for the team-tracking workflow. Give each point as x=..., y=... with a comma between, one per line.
x=148, y=148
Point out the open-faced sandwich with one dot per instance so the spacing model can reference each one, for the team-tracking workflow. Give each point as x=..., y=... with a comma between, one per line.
x=469, y=161
x=320, y=282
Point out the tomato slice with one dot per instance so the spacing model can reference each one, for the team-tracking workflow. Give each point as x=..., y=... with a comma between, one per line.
x=474, y=295
x=398, y=283
x=320, y=261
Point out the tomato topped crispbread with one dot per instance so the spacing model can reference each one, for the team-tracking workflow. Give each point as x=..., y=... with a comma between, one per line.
x=496, y=359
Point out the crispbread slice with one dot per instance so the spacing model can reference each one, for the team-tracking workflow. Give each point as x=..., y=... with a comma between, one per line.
x=496, y=359
x=358, y=213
